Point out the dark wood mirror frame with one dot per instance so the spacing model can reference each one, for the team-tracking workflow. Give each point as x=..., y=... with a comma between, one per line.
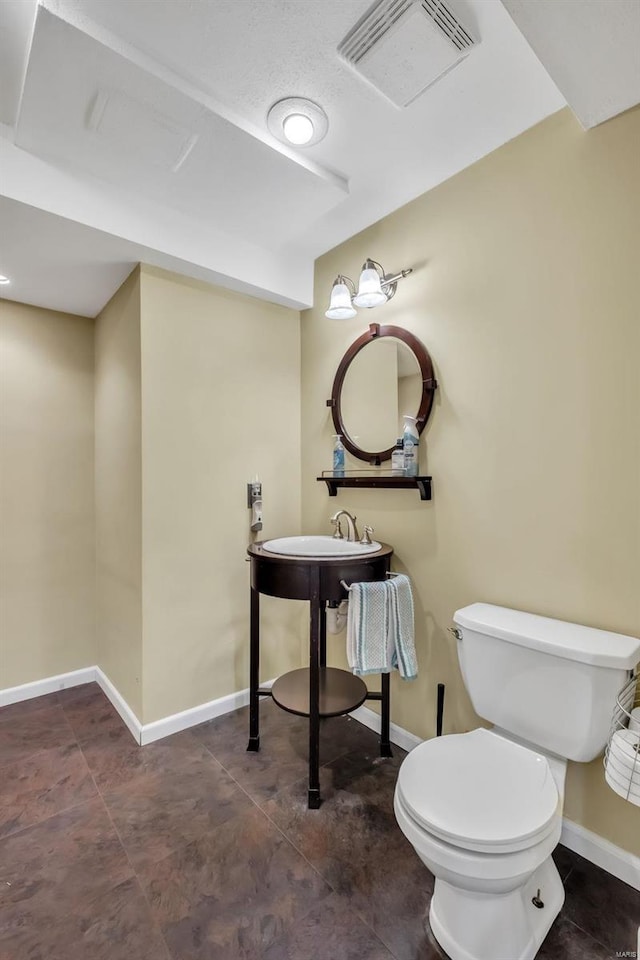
x=429, y=385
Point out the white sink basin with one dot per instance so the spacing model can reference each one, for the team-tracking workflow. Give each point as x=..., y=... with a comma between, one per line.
x=318, y=547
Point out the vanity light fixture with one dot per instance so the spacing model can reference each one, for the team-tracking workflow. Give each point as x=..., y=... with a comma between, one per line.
x=375, y=287
x=297, y=121
x=4, y=279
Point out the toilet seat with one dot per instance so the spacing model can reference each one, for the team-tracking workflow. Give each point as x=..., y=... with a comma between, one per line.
x=480, y=792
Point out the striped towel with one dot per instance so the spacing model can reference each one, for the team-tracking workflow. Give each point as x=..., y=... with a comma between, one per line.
x=368, y=628
x=401, y=642
x=380, y=627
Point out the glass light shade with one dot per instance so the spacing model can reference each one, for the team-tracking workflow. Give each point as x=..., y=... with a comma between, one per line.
x=340, y=307
x=370, y=292
x=297, y=128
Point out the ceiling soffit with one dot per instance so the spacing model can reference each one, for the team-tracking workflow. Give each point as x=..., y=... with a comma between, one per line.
x=89, y=109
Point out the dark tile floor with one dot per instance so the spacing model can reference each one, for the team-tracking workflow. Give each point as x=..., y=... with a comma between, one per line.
x=193, y=849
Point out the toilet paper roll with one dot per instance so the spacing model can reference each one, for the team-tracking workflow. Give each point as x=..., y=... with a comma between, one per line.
x=622, y=766
x=634, y=722
x=624, y=749
x=624, y=789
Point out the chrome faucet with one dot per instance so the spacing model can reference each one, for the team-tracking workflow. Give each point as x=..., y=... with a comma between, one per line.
x=352, y=530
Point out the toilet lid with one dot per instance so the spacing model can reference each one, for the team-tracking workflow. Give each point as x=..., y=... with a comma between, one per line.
x=480, y=791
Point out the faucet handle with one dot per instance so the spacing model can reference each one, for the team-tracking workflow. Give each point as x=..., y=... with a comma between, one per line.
x=366, y=539
x=337, y=533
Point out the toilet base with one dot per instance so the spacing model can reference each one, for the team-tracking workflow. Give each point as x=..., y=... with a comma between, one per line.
x=480, y=926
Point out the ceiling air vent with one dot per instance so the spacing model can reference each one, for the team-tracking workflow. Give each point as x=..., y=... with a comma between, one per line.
x=403, y=46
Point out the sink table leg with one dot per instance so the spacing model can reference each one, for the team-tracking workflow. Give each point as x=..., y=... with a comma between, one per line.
x=385, y=743
x=254, y=672
x=315, y=624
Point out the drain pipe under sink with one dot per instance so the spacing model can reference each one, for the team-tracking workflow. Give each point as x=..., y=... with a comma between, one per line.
x=337, y=616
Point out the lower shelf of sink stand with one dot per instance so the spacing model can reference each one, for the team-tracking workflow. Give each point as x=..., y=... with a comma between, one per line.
x=340, y=692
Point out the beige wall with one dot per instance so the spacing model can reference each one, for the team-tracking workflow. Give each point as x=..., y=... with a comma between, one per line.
x=525, y=292
x=220, y=404
x=46, y=494
x=118, y=492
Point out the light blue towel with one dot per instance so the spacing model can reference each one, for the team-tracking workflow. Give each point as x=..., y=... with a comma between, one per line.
x=401, y=632
x=380, y=627
x=368, y=628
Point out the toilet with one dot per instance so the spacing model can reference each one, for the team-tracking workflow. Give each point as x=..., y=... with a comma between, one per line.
x=483, y=810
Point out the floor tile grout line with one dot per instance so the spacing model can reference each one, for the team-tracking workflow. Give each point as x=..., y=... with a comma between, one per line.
x=320, y=874
x=128, y=858
x=376, y=936
x=77, y=740
x=297, y=849
x=171, y=853
x=568, y=918
x=37, y=753
x=606, y=946
x=375, y=932
x=253, y=801
x=39, y=750
x=38, y=823
x=326, y=763
x=304, y=857
x=267, y=817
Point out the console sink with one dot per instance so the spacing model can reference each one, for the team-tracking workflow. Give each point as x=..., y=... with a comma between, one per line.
x=318, y=547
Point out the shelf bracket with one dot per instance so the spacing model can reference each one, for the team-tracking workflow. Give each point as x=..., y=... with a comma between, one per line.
x=424, y=486
x=331, y=486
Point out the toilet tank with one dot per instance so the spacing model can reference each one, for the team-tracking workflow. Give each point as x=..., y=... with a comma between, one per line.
x=550, y=682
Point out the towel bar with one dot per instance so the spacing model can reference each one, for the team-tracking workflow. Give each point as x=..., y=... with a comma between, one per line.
x=347, y=586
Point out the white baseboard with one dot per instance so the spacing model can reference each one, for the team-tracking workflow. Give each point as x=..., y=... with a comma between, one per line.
x=40, y=688
x=195, y=715
x=120, y=704
x=142, y=733
x=623, y=865
x=397, y=735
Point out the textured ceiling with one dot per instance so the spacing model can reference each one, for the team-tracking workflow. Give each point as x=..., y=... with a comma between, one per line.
x=591, y=51
x=146, y=121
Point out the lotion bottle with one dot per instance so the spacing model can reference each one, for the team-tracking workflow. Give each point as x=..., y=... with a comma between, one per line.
x=338, y=456
x=397, y=459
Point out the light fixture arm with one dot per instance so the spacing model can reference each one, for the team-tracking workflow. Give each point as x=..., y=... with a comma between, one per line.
x=388, y=280
x=348, y=282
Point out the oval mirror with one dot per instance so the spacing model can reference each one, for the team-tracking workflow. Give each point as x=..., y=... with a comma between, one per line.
x=384, y=375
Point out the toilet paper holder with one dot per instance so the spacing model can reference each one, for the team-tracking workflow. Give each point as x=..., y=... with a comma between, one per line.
x=622, y=752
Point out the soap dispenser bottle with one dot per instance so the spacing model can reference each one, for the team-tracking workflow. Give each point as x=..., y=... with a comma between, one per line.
x=410, y=441
x=338, y=456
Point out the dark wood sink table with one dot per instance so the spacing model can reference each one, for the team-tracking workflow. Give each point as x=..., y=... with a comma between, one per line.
x=315, y=691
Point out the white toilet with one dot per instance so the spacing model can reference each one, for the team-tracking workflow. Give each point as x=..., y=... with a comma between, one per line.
x=483, y=810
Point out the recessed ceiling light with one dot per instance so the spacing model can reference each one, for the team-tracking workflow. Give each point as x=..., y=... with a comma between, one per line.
x=297, y=121
x=4, y=279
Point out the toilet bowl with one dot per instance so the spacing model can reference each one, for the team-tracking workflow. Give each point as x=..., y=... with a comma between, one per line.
x=483, y=809
x=484, y=814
